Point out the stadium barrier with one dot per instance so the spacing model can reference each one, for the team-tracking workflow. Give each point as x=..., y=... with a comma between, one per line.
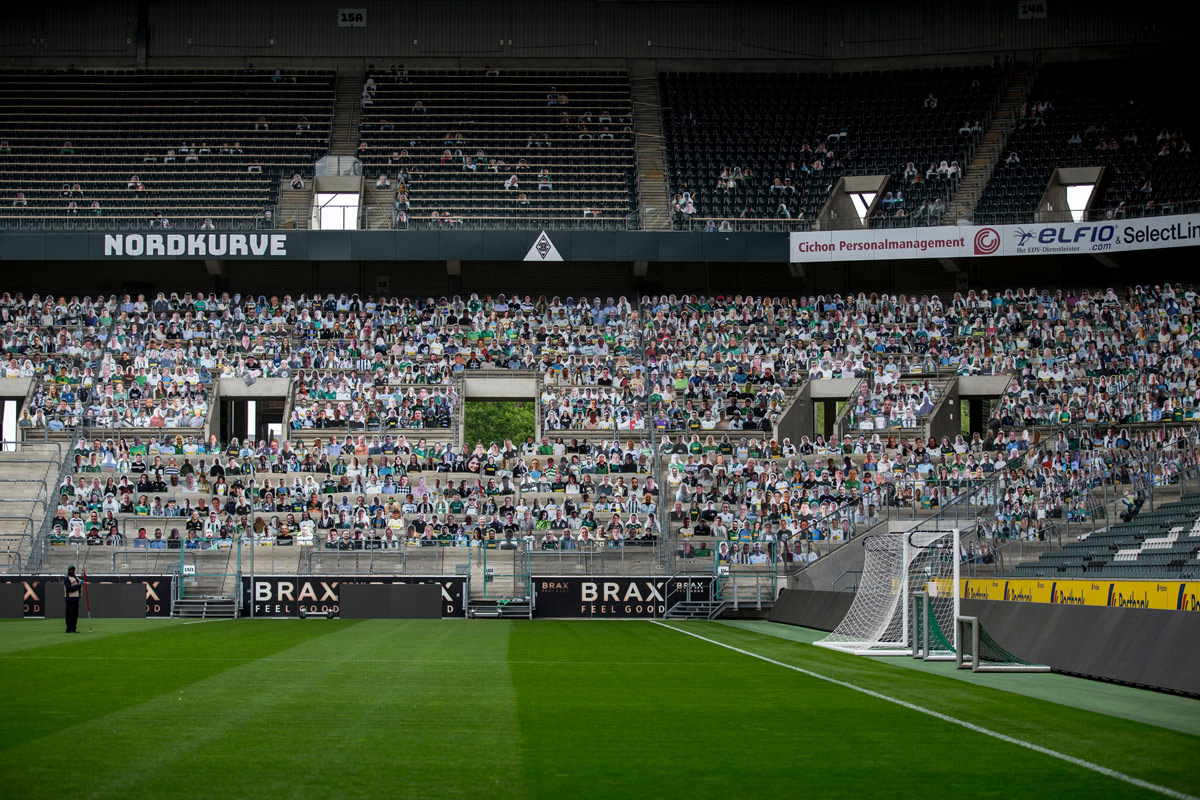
x=811, y=608
x=12, y=601
x=1143, y=594
x=42, y=591
x=390, y=601
x=106, y=601
x=615, y=597
x=288, y=596
x=1143, y=647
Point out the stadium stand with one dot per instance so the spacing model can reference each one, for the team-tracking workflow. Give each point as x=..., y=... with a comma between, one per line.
x=762, y=151
x=129, y=149
x=501, y=149
x=1109, y=113
x=1164, y=543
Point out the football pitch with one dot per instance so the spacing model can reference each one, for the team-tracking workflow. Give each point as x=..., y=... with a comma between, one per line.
x=553, y=709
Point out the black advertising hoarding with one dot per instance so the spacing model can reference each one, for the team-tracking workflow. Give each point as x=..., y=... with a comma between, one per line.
x=286, y=596
x=158, y=590
x=344, y=246
x=614, y=597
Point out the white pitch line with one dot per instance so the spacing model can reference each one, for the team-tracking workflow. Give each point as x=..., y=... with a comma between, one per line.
x=1037, y=748
x=201, y=621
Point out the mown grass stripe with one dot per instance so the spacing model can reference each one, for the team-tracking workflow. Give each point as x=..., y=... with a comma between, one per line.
x=1037, y=748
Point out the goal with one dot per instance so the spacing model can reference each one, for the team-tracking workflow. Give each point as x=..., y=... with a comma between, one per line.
x=896, y=568
x=979, y=652
x=930, y=642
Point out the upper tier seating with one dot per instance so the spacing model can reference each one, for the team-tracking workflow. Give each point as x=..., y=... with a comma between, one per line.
x=509, y=149
x=1116, y=114
x=809, y=130
x=204, y=144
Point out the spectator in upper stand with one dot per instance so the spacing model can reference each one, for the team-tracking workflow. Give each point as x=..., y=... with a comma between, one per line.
x=910, y=172
x=95, y=209
x=418, y=107
x=965, y=129
x=382, y=181
x=367, y=99
x=544, y=180
x=72, y=209
x=777, y=186
x=491, y=72
x=1165, y=151
x=930, y=102
x=67, y=149
x=369, y=84
x=710, y=226
x=943, y=170
x=133, y=183
x=725, y=227
x=512, y=182
x=362, y=150
x=297, y=181
x=20, y=200
x=254, y=167
x=932, y=172
x=1075, y=138
x=5, y=150
x=522, y=200
x=207, y=225
x=261, y=124
x=159, y=221
x=783, y=212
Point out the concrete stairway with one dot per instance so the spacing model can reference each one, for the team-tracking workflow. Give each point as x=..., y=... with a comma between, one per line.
x=377, y=205
x=27, y=483
x=991, y=149
x=347, y=113
x=654, y=201
x=295, y=205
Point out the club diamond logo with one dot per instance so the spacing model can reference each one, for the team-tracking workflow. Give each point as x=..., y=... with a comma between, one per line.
x=543, y=250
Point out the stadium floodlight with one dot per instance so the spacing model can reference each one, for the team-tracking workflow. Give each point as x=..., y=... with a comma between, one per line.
x=979, y=652
x=896, y=568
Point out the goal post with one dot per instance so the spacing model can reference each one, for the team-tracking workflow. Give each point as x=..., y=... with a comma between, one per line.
x=979, y=652
x=897, y=567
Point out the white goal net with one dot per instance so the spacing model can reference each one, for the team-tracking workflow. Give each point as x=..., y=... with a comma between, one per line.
x=896, y=568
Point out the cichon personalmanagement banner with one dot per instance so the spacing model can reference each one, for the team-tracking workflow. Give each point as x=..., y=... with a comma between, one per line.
x=974, y=241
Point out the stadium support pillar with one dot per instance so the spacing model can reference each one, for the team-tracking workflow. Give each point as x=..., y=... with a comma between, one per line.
x=950, y=264
x=215, y=267
x=454, y=268
x=797, y=270
x=1106, y=260
x=640, y=268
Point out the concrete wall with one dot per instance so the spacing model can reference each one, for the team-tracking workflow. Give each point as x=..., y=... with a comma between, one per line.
x=14, y=387
x=236, y=388
x=798, y=419
x=523, y=389
x=946, y=419
x=983, y=385
x=833, y=388
x=822, y=573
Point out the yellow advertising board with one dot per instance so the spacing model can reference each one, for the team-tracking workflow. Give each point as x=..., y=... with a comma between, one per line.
x=1160, y=595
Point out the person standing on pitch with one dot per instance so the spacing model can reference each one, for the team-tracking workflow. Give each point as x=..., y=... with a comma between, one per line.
x=73, y=586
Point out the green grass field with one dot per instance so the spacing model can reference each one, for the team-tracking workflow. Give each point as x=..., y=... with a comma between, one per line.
x=458, y=708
